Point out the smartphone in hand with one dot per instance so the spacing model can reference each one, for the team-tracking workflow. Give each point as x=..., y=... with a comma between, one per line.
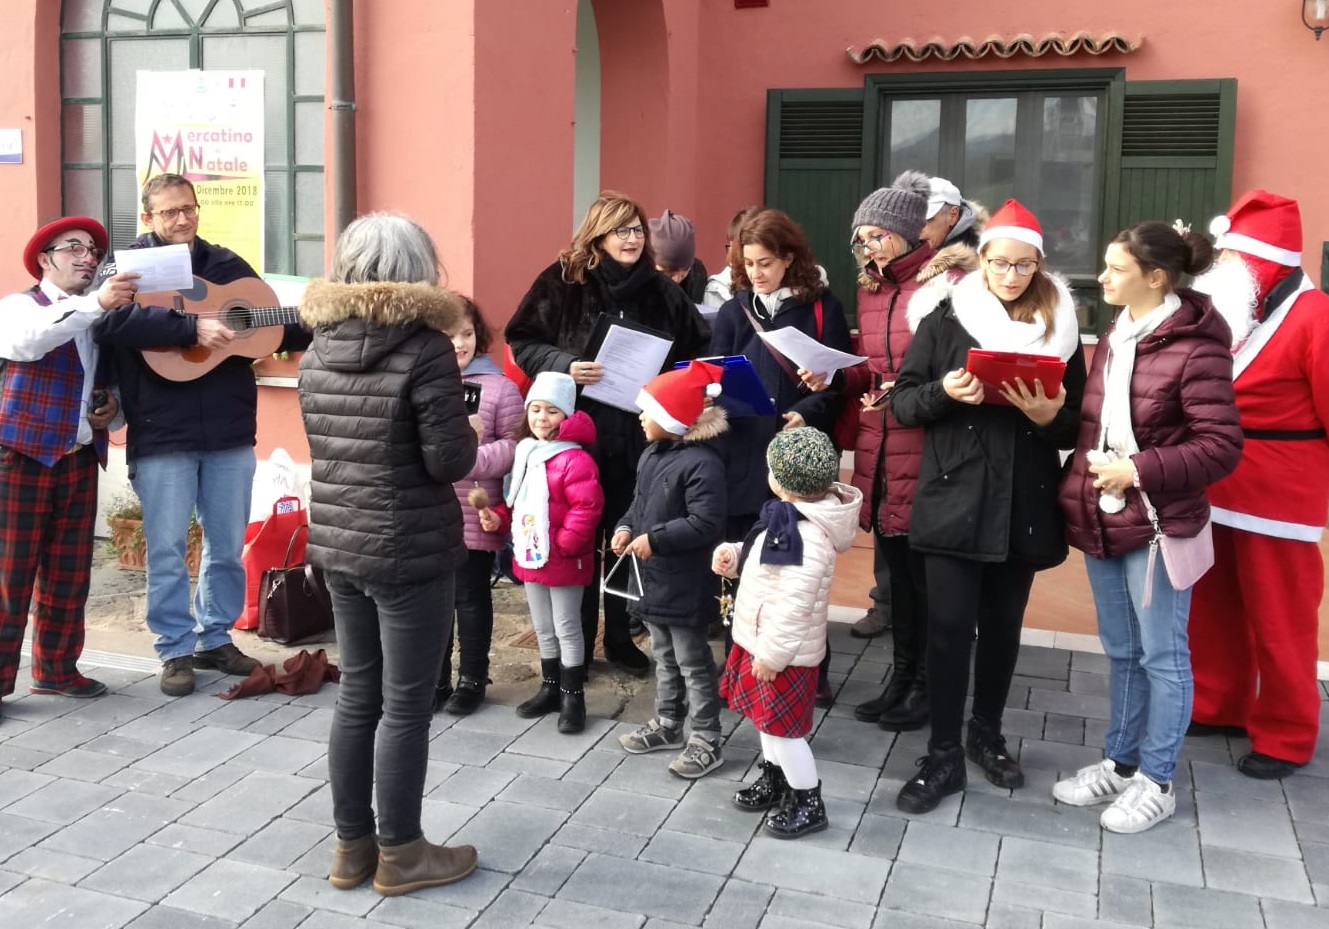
x=100, y=397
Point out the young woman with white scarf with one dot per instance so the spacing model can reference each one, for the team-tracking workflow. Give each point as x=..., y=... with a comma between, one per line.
x=985, y=514
x=1159, y=424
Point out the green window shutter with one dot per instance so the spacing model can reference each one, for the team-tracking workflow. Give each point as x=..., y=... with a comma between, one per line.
x=1176, y=151
x=814, y=141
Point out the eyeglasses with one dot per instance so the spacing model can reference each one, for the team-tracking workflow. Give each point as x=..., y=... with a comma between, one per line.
x=1000, y=266
x=874, y=243
x=78, y=250
x=188, y=212
x=627, y=232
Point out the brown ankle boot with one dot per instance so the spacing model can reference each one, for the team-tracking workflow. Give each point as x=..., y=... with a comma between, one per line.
x=353, y=861
x=420, y=864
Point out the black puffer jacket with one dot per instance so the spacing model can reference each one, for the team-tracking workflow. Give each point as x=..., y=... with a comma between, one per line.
x=382, y=402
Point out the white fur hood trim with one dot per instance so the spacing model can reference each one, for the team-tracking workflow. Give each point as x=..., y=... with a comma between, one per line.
x=979, y=312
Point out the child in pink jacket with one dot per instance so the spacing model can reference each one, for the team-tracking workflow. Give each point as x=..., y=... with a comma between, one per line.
x=556, y=500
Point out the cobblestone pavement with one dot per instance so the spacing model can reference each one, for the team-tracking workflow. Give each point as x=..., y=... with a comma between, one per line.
x=138, y=810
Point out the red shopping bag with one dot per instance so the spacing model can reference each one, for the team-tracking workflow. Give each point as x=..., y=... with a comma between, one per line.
x=265, y=547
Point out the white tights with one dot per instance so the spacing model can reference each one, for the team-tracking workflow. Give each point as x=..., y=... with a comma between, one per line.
x=794, y=758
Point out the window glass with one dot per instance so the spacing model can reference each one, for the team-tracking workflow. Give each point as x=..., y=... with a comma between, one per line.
x=989, y=150
x=81, y=66
x=81, y=132
x=1068, y=182
x=915, y=137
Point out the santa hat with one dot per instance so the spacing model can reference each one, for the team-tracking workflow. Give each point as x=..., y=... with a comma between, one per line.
x=1261, y=224
x=676, y=398
x=1013, y=221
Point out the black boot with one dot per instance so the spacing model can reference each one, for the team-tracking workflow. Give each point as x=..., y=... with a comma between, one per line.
x=941, y=773
x=621, y=651
x=801, y=813
x=442, y=693
x=546, y=699
x=466, y=697
x=872, y=710
x=572, y=702
x=910, y=713
x=985, y=747
x=766, y=791
x=906, y=655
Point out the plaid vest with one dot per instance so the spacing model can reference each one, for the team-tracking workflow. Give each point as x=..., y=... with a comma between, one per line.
x=41, y=402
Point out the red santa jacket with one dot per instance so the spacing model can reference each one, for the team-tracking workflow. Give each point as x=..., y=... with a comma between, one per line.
x=1281, y=378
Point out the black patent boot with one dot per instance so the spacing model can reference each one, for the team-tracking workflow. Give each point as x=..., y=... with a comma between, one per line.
x=801, y=813
x=940, y=774
x=985, y=747
x=572, y=700
x=546, y=699
x=766, y=791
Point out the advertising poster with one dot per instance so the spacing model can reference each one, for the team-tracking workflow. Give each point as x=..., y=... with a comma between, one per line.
x=208, y=127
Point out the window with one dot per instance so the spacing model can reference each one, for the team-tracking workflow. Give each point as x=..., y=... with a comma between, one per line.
x=105, y=42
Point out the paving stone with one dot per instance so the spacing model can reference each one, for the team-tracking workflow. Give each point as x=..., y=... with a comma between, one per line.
x=50, y=865
x=1035, y=819
x=1068, y=704
x=1125, y=900
x=57, y=736
x=1019, y=722
x=467, y=746
x=120, y=747
x=545, y=741
x=1051, y=898
x=1279, y=914
x=648, y=775
x=230, y=890
x=490, y=717
x=211, y=842
x=544, y=792
x=63, y=802
x=949, y=847
x=147, y=782
x=513, y=908
x=24, y=759
x=604, y=841
x=1044, y=864
x=899, y=919
x=476, y=892
x=42, y=903
x=533, y=765
x=1086, y=682
x=594, y=767
x=314, y=726
x=708, y=809
x=439, y=819
x=1316, y=858
x=473, y=786
x=1057, y=684
x=693, y=852
x=1058, y=921
x=158, y=728
x=251, y=803
x=116, y=709
x=16, y=783
x=320, y=896
x=619, y=810
x=656, y=923
x=851, y=742
x=549, y=869
x=1058, y=728
x=165, y=917
x=566, y=914
x=642, y=887
x=1091, y=663
x=414, y=911
x=1176, y=907
x=937, y=892
x=280, y=755
x=1305, y=797
x=146, y=872
x=740, y=905
x=199, y=752
x=794, y=866
x=81, y=765
x=243, y=714
x=507, y=835
x=1227, y=781
x=854, y=782
x=1043, y=662
x=1006, y=916
x=1169, y=853
x=277, y=719
x=1250, y=825
x=280, y=843
x=878, y=836
x=819, y=910
x=1258, y=875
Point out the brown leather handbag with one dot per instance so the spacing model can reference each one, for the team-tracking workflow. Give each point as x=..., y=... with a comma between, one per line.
x=293, y=602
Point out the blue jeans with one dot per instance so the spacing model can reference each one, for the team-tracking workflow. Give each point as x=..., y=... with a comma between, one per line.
x=218, y=486
x=686, y=677
x=1151, y=685
x=390, y=639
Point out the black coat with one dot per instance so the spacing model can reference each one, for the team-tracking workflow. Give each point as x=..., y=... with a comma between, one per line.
x=388, y=434
x=552, y=328
x=987, y=486
x=215, y=411
x=680, y=505
x=744, y=446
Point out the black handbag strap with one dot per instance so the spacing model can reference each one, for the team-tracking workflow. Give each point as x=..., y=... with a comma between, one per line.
x=315, y=585
x=290, y=546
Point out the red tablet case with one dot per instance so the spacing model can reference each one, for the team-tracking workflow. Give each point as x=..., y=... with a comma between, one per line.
x=994, y=367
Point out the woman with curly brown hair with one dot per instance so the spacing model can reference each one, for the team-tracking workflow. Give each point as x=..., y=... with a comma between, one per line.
x=608, y=268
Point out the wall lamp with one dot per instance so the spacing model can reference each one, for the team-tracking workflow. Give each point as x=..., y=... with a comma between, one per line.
x=1315, y=16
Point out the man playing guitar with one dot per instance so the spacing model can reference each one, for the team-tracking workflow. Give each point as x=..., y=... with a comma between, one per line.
x=190, y=447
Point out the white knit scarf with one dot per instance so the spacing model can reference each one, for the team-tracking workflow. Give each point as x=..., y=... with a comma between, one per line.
x=985, y=318
x=1116, y=435
x=528, y=495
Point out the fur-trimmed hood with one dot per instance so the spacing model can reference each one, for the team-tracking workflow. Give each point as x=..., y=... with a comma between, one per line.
x=712, y=423
x=355, y=325
x=957, y=256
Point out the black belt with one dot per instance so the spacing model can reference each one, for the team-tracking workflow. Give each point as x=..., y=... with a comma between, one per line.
x=1284, y=435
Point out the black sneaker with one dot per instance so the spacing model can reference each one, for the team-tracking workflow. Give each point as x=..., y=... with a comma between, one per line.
x=466, y=698
x=986, y=748
x=941, y=773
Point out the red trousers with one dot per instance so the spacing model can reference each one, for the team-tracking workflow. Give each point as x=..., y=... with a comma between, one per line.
x=47, y=516
x=1254, y=641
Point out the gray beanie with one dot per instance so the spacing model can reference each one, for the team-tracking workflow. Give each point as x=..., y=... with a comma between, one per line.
x=901, y=208
x=803, y=461
x=674, y=240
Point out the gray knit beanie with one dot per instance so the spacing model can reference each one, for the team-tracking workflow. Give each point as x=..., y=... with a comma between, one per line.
x=803, y=461
x=901, y=208
x=674, y=241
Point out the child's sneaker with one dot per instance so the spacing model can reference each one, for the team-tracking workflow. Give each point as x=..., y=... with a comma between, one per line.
x=1097, y=783
x=652, y=737
x=698, y=758
x=1141, y=807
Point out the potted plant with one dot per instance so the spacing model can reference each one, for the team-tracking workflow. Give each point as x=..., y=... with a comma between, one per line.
x=125, y=519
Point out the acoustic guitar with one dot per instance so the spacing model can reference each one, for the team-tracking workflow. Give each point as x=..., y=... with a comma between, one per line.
x=247, y=306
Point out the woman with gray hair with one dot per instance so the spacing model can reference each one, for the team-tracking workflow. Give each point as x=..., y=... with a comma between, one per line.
x=382, y=402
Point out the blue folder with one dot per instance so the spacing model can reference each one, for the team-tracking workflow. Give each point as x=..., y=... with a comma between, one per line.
x=741, y=391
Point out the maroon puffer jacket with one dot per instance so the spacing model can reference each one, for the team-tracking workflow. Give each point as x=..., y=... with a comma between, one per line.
x=884, y=338
x=1185, y=421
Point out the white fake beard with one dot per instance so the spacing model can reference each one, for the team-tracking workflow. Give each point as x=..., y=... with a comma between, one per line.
x=1233, y=289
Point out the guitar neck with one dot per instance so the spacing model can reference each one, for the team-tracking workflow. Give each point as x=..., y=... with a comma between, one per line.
x=258, y=316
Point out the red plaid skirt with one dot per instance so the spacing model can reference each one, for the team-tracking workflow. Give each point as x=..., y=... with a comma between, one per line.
x=783, y=708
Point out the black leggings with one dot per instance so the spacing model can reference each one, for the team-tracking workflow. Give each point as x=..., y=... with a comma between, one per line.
x=964, y=596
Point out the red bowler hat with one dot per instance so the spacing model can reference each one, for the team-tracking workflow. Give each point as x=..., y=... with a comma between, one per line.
x=64, y=224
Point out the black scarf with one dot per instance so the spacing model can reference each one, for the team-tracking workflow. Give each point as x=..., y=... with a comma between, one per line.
x=622, y=284
x=783, y=544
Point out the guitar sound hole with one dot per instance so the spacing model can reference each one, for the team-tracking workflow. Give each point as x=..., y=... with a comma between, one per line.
x=236, y=318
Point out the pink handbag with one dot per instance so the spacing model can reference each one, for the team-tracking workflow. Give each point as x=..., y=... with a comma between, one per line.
x=1186, y=560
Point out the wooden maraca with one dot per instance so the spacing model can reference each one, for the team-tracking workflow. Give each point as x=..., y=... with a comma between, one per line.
x=479, y=498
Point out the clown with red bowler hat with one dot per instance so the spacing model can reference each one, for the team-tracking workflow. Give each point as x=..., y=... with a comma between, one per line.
x=54, y=415
x=1254, y=616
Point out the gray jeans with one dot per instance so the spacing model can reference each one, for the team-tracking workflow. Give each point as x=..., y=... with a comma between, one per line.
x=686, y=677
x=390, y=638
x=556, y=616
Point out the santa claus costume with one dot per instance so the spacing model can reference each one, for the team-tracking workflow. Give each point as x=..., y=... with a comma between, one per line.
x=1254, y=615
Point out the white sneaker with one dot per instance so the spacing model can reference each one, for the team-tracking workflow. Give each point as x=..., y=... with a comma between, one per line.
x=1142, y=806
x=1098, y=783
